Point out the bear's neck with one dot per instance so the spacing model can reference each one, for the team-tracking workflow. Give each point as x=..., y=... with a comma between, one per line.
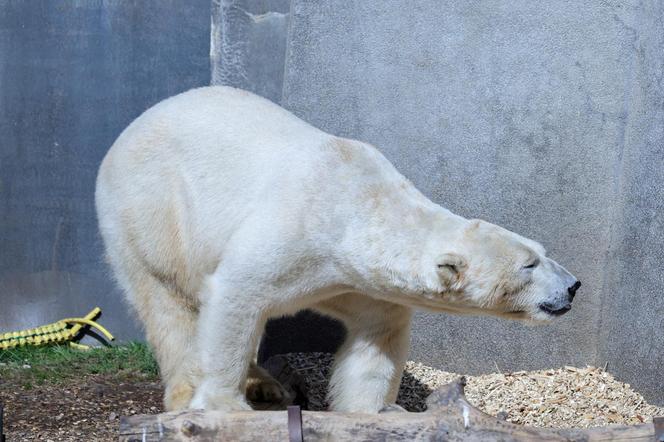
x=398, y=244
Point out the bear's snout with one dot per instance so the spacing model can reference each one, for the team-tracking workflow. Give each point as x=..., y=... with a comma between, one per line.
x=561, y=306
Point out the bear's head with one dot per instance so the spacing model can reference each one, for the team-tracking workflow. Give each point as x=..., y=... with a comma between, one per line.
x=490, y=270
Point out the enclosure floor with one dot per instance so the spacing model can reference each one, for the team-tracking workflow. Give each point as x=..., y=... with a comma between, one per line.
x=87, y=409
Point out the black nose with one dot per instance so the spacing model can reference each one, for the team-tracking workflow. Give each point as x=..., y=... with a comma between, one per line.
x=572, y=290
x=555, y=309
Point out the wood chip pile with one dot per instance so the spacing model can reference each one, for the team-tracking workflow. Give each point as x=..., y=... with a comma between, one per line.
x=567, y=397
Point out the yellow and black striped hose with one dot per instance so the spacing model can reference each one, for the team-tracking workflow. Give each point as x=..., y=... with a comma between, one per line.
x=65, y=330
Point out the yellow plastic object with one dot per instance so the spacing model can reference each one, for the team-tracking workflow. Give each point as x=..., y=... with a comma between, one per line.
x=56, y=333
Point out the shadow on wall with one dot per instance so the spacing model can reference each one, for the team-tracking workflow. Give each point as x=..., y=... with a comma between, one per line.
x=293, y=334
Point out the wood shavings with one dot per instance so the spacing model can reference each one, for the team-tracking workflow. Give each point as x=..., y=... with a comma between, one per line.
x=568, y=397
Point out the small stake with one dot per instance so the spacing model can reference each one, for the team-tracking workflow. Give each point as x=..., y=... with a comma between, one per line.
x=295, y=424
x=658, y=423
x=2, y=434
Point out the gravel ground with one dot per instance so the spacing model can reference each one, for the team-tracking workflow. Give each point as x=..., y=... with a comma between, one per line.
x=559, y=398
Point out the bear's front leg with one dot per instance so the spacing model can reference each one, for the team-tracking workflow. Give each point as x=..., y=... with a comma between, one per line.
x=230, y=323
x=368, y=367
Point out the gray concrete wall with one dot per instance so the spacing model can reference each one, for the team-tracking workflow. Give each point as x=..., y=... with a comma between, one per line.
x=544, y=117
x=73, y=74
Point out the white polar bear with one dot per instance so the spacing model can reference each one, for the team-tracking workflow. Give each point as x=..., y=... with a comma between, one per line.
x=219, y=210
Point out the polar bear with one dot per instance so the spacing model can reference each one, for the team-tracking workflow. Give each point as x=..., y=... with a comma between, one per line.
x=219, y=209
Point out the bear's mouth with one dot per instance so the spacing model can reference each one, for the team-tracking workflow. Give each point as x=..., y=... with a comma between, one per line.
x=555, y=310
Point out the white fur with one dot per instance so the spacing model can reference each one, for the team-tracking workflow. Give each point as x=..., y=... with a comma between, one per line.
x=220, y=210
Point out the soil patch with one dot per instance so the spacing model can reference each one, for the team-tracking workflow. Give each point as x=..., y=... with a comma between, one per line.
x=86, y=409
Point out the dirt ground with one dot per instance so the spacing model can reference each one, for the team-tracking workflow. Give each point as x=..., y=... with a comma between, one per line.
x=87, y=409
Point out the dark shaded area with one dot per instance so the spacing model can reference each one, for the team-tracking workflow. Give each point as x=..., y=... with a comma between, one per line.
x=415, y=399
x=303, y=333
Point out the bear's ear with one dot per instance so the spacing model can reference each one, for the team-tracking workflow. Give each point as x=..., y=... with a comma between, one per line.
x=450, y=268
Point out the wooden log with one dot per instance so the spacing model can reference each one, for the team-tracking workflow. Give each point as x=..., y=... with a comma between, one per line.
x=450, y=417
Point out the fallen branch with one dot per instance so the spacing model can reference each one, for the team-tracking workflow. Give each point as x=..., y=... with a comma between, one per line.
x=449, y=418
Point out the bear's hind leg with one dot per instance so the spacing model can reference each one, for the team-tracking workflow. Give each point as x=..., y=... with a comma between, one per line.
x=170, y=328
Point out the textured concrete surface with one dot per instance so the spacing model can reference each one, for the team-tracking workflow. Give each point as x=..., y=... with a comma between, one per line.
x=72, y=76
x=632, y=319
x=249, y=44
x=486, y=112
x=543, y=117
